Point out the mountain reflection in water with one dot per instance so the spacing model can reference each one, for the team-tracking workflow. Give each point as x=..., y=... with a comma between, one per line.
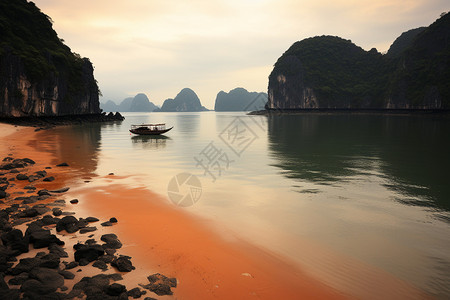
x=409, y=152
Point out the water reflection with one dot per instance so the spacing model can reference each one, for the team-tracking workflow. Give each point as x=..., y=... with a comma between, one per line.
x=150, y=141
x=77, y=145
x=409, y=152
x=187, y=122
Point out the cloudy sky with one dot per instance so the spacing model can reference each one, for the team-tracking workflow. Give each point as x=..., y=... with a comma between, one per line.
x=158, y=47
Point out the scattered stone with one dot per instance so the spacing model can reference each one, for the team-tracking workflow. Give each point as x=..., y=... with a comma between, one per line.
x=113, y=220
x=25, y=265
x=50, y=261
x=62, y=190
x=71, y=265
x=21, y=177
x=43, y=238
x=110, y=174
x=41, y=174
x=91, y=219
x=95, y=287
x=123, y=264
x=87, y=229
x=43, y=193
x=28, y=161
x=88, y=252
x=48, y=168
x=68, y=223
x=41, y=208
x=56, y=211
x=57, y=250
x=43, y=281
x=160, y=284
x=14, y=171
x=74, y=201
x=68, y=213
x=115, y=289
x=48, y=179
x=3, y=194
x=64, y=164
x=111, y=241
x=15, y=242
x=107, y=223
x=66, y=274
x=27, y=200
x=19, y=279
x=49, y=220
x=100, y=264
x=136, y=293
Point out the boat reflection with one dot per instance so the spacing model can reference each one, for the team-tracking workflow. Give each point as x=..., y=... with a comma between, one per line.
x=150, y=141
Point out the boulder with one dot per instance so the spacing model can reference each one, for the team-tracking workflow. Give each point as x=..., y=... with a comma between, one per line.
x=68, y=223
x=21, y=176
x=123, y=264
x=111, y=241
x=88, y=252
x=43, y=238
x=160, y=284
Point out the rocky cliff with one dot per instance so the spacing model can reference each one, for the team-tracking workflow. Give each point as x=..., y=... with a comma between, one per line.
x=39, y=74
x=333, y=73
x=240, y=99
x=186, y=100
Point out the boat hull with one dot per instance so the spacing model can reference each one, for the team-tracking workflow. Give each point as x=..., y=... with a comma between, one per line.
x=149, y=132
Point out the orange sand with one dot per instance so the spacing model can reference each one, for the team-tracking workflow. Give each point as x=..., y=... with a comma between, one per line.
x=207, y=266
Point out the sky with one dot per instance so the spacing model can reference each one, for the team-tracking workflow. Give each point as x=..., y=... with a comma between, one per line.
x=159, y=47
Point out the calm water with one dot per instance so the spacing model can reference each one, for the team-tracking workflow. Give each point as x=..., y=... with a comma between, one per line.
x=374, y=189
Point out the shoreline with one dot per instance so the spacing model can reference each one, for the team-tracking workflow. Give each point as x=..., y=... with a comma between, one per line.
x=209, y=267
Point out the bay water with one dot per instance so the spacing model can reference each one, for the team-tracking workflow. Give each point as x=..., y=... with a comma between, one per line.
x=332, y=192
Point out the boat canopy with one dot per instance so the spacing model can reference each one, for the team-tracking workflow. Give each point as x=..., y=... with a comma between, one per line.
x=161, y=126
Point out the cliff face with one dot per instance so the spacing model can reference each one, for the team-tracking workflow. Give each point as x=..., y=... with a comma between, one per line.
x=333, y=73
x=186, y=101
x=39, y=75
x=240, y=99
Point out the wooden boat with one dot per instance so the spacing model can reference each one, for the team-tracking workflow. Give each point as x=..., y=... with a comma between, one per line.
x=149, y=129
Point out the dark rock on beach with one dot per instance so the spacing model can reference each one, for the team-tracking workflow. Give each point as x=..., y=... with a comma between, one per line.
x=111, y=241
x=68, y=223
x=95, y=287
x=88, y=252
x=62, y=190
x=21, y=176
x=43, y=238
x=92, y=219
x=123, y=264
x=160, y=284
